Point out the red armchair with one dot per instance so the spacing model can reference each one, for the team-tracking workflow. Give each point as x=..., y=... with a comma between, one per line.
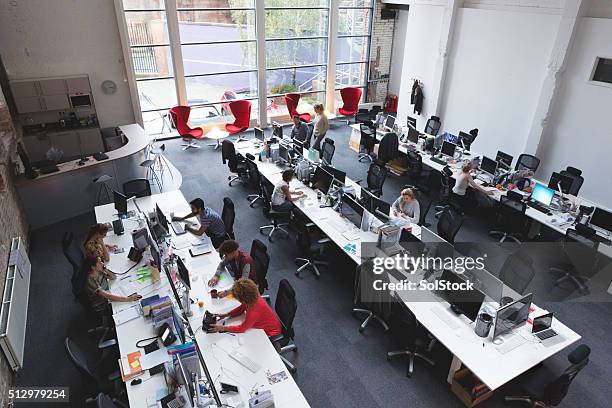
x=292, y=100
x=350, y=100
x=241, y=110
x=180, y=117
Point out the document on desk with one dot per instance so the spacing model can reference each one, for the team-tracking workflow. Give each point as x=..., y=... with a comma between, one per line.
x=155, y=358
x=124, y=289
x=127, y=315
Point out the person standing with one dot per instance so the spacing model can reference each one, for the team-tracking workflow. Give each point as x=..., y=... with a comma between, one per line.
x=321, y=125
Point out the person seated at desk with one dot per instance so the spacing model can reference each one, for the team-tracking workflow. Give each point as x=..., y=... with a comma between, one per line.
x=258, y=314
x=95, y=285
x=94, y=243
x=282, y=197
x=237, y=262
x=321, y=125
x=407, y=207
x=299, y=130
x=210, y=222
x=464, y=180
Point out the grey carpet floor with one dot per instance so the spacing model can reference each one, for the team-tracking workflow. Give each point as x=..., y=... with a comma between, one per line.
x=337, y=365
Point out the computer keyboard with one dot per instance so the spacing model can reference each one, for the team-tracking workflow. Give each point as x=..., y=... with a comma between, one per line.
x=439, y=161
x=338, y=226
x=445, y=317
x=546, y=334
x=245, y=361
x=351, y=235
x=177, y=227
x=510, y=343
x=538, y=206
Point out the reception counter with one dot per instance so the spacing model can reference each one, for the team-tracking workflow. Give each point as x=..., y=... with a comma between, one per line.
x=69, y=192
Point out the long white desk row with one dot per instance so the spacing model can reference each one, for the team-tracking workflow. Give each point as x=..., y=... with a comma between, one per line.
x=480, y=355
x=214, y=346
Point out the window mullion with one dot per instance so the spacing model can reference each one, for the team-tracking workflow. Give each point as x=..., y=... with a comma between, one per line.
x=330, y=82
x=262, y=89
x=176, y=51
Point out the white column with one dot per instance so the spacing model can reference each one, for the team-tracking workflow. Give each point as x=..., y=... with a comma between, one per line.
x=260, y=25
x=446, y=39
x=332, y=35
x=556, y=66
x=176, y=51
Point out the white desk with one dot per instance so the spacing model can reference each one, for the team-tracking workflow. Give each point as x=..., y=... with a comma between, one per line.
x=255, y=343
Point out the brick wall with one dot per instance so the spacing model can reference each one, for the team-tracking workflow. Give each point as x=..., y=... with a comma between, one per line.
x=380, y=55
x=12, y=219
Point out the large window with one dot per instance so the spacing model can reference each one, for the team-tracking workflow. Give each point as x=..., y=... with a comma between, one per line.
x=215, y=46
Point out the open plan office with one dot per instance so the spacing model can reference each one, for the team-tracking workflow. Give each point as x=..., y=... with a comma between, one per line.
x=317, y=203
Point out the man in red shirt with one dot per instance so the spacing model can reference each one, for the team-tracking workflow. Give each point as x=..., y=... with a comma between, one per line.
x=258, y=314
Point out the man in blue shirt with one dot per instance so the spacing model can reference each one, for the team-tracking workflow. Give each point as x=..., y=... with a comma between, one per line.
x=299, y=130
x=210, y=222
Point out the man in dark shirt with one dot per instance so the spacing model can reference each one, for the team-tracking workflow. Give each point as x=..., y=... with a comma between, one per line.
x=210, y=222
x=299, y=130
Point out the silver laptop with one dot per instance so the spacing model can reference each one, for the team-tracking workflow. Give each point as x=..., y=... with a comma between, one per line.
x=543, y=331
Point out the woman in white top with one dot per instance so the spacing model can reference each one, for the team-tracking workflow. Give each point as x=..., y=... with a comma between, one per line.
x=321, y=124
x=407, y=207
x=282, y=197
x=464, y=180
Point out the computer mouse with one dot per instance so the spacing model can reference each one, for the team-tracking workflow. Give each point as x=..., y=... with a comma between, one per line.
x=136, y=381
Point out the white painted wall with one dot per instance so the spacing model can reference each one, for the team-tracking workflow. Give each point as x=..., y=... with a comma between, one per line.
x=40, y=38
x=496, y=68
x=580, y=130
x=399, y=39
x=419, y=59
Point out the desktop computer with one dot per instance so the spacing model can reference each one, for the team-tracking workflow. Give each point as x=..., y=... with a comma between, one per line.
x=259, y=134
x=488, y=166
x=511, y=316
x=120, y=203
x=352, y=210
x=462, y=301
x=560, y=182
x=389, y=123
x=322, y=180
x=601, y=221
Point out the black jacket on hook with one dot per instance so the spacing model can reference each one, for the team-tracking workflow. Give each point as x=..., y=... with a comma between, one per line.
x=416, y=97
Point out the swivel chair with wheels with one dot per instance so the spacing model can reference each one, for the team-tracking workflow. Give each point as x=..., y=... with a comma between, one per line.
x=259, y=253
x=377, y=174
x=285, y=307
x=432, y=127
x=350, y=99
x=228, y=215
x=527, y=161
x=581, y=260
x=241, y=109
x=376, y=305
x=277, y=217
x=366, y=143
x=311, y=253
x=449, y=224
x=327, y=151
x=511, y=221
x=180, y=117
x=235, y=162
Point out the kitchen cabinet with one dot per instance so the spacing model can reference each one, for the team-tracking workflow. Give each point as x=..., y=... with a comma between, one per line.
x=78, y=85
x=53, y=87
x=29, y=104
x=56, y=102
x=25, y=89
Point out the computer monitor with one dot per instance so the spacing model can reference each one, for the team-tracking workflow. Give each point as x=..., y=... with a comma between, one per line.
x=466, y=139
x=298, y=147
x=558, y=180
x=375, y=205
x=504, y=159
x=140, y=238
x=120, y=203
x=601, y=219
x=462, y=301
x=488, y=165
x=161, y=218
x=154, y=236
x=448, y=149
x=411, y=122
x=283, y=153
x=322, y=180
x=413, y=135
x=542, y=194
x=155, y=254
x=172, y=286
x=512, y=315
x=449, y=137
x=389, y=122
x=351, y=210
x=183, y=272
x=185, y=379
x=339, y=175
x=259, y=134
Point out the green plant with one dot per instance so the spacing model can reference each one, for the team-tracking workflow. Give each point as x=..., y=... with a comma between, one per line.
x=283, y=89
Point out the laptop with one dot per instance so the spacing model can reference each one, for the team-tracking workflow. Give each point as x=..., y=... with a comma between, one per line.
x=543, y=331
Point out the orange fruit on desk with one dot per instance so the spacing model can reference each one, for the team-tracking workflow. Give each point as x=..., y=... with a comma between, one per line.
x=498, y=186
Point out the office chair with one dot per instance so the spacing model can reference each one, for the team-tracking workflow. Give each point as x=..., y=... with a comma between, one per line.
x=415, y=340
x=311, y=253
x=235, y=162
x=254, y=178
x=275, y=216
x=366, y=143
x=577, y=179
x=581, y=259
x=518, y=271
x=151, y=174
x=180, y=118
x=547, y=386
x=350, y=99
x=446, y=189
x=292, y=100
x=307, y=142
x=259, y=253
x=377, y=174
x=433, y=126
x=73, y=253
x=93, y=378
x=104, y=401
x=416, y=174
x=327, y=151
x=449, y=224
x=527, y=161
x=376, y=305
x=388, y=147
x=228, y=215
x=285, y=307
x=139, y=187
x=424, y=206
x=510, y=218
x=241, y=109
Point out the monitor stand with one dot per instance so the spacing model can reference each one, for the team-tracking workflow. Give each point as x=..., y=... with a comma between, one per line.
x=455, y=310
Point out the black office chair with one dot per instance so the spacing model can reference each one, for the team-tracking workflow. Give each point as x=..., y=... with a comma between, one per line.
x=104, y=401
x=377, y=174
x=327, y=151
x=228, y=215
x=581, y=259
x=577, y=179
x=414, y=339
x=366, y=143
x=259, y=253
x=73, y=253
x=547, y=386
x=517, y=271
x=511, y=221
x=376, y=305
x=285, y=307
x=449, y=224
x=311, y=253
x=235, y=162
x=307, y=142
x=93, y=378
x=140, y=187
x=276, y=216
x=254, y=180
x=527, y=161
x=445, y=178
x=416, y=174
x=424, y=206
x=432, y=127
x=388, y=148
